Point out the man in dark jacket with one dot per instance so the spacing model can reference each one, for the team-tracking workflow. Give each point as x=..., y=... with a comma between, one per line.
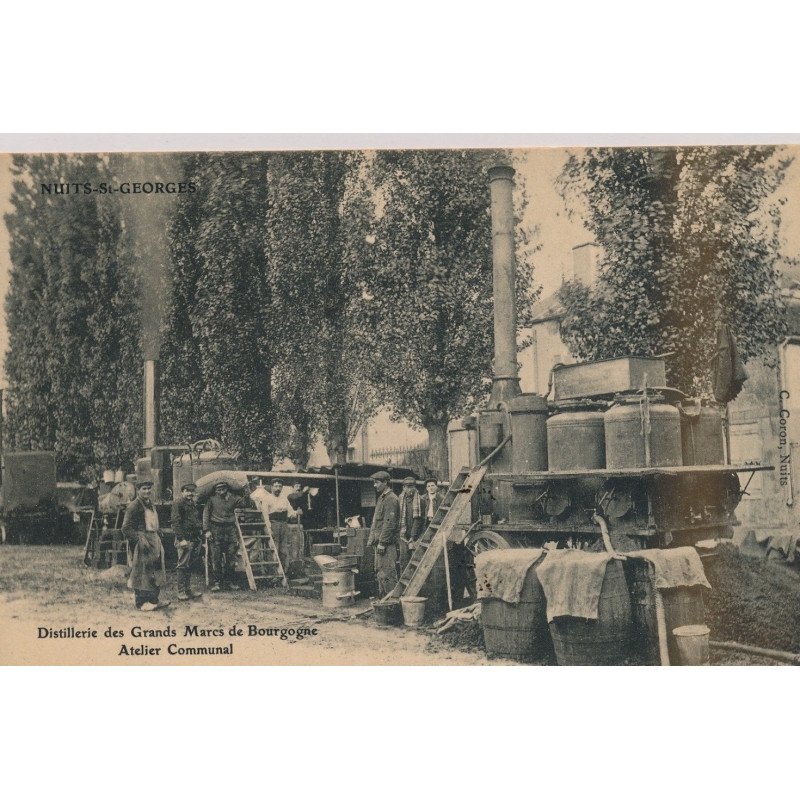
x=188, y=537
x=431, y=501
x=140, y=528
x=410, y=519
x=384, y=533
x=219, y=525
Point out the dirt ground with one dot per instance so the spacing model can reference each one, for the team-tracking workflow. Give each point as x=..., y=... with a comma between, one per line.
x=49, y=588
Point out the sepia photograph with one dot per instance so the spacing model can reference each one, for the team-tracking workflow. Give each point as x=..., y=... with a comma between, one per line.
x=401, y=407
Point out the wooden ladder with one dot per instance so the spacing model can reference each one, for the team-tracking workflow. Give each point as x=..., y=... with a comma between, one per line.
x=431, y=544
x=255, y=526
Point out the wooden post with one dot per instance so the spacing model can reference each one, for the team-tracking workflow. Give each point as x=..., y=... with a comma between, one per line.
x=661, y=623
x=447, y=576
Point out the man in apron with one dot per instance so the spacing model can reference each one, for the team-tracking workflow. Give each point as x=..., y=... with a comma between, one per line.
x=140, y=528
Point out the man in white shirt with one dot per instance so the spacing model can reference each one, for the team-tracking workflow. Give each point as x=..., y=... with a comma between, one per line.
x=277, y=508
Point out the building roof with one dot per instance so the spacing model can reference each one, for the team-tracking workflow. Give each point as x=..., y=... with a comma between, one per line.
x=547, y=308
x=791, y=297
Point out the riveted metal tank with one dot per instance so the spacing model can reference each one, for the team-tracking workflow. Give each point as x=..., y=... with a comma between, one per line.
x=528, y=414
x=576, y=440
x=630, y=444
x=702, y=437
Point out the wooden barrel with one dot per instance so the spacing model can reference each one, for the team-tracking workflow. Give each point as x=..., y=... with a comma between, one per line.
x=682, y=606
x=517, y=631
x=603, y=641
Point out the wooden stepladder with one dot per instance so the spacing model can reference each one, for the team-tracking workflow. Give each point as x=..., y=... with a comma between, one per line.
x=430, y=546
x=254, y=527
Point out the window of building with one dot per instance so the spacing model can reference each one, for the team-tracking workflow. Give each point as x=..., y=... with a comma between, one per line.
x=747, y=447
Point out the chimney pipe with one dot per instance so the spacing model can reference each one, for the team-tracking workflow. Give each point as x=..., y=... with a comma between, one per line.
x=505, y=380
x=152, y=401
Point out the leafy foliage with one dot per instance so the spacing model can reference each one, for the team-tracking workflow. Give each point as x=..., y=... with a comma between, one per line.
x=689, y=238
x=426, y=310
x=74, y=379
x=314, y=214
x=217, y=348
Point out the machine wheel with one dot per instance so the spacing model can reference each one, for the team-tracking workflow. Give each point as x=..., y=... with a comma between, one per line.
x=481, y=541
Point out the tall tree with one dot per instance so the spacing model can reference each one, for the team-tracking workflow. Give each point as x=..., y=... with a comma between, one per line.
x=72, y=318
x=221, y=299
x=314, y=216
x=689, y=239
x=426, y=288
x=188, y=410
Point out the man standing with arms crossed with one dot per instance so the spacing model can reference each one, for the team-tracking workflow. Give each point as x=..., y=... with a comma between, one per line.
x=385, y=533
x=219, y=525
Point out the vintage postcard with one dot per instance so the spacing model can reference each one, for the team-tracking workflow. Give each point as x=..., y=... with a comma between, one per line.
x=401, y=407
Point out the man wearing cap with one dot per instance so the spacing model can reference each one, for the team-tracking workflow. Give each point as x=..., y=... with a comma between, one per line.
x=279, y=511
x=384, y=533
x=431, y=501
x=219, y=526
x=410, y=519
x=188, y=537
x=140, y=528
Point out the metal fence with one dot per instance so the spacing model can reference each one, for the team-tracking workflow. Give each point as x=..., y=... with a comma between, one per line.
x=400, y=456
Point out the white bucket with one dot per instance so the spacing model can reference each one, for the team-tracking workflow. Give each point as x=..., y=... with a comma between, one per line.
x=692, y=644
x=413, y=610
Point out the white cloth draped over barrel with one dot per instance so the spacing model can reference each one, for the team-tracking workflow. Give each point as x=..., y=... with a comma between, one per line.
x=501, y=573
x=572, y=581
x=676, y=567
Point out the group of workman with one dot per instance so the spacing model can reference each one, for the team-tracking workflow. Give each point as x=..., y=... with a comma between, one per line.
x=397, y=524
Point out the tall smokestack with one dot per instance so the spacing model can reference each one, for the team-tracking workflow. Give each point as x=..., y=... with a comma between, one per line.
x=505, y=381
x=151, y=403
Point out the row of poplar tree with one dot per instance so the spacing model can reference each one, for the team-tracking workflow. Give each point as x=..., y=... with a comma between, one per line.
x=291, y=295
x=295, y=294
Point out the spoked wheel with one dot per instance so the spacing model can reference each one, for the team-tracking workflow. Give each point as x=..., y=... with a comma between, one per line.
x=482, y=541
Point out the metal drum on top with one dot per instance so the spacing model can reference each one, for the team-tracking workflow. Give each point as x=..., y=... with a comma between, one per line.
x=642, y=431
x=702, y=437
x=528, y=415
x=576, y=439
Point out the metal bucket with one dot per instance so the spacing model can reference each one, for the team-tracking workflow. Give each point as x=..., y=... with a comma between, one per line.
x=691, y=642
x=388, y=612
x=413, y=610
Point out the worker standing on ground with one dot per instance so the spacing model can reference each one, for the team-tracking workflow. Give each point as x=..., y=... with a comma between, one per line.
x=188, y=531
x=384, y=533
x=140, y=528
x=219, y=526
x=279, y=511
x=297, y=498
x=410, y=519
